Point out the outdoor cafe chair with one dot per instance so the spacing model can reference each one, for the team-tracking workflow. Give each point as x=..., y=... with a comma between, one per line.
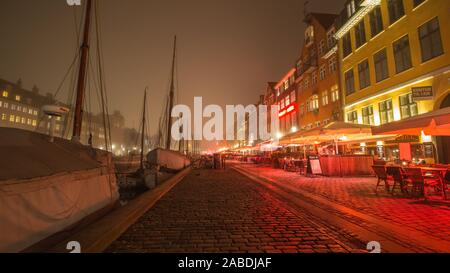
x=396, y=173
x=414, y=177
x=380, y=171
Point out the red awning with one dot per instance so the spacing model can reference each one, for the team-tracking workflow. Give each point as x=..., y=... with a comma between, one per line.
x=435, y=123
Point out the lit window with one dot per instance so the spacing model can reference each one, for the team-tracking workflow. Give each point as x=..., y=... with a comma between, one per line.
x=3, y=116
x=313, y=103
x=29, y=121
x=25, y=110
x=35, y=112
x=13, y=107
x=408, y=107
x=352, y=117
x=1, y=103
x=34, y=123
x=18, y=98
x=30, y=111
x=306, y=83
x=58, y=127
x=5, y=94
x=288, y=101
x=19, y=108
x=386, y=111
x=5, y=105
x=12, y=118
x=17, y=119
x=325, y=98
x=58, y=118
x=286, y=84
x=334, y=93
x=23, y=120
x=367, y=115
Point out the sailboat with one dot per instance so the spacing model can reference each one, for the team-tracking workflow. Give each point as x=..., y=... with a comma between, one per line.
x=165, y=159
x=50, y=186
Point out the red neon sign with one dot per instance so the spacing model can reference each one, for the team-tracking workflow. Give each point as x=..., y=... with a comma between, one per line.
x=288, y=109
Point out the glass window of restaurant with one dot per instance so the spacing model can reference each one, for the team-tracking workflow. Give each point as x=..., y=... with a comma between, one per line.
x=386, y=111
x=367, y=115
x=408, y=107
x=352, y=117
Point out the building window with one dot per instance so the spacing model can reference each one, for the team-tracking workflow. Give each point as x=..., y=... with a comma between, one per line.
x=351, y=8
x=332, y=63
x=293, y=96
x=306, y=83
x=322, y=72
x=430, y=40
x=29, y=121
x=288, y=100
x=408, y=107
x=5, y=105
x=19, y=108
x=352, y=117
x=25, y=110
x=360, y=34
x=335, y=93
x=364, y=74
x=367, y=115
x=286, y=84
x=402, y=54
x=3, y=116
x=330, y=38
x=30, y=111
x=282, y=105
x=396, y=10
x=13, y=107
x=314, y=77
x=313, y=103
x=5, y=94
x=346, y=45
x=12, y=118
x=386, y=111
x=34, y=123
x=302, y=109
x=1, y=103
x=23, y=120
x=18, y=98
x=321, y=47
x=349, y=82
x=35, y=112
x=418, y=2
x=325, y=98
x=376, y=21
x=17, y=119
x=381, y=65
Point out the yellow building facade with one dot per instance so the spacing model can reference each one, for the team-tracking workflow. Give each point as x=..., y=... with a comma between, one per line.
x=394, y=58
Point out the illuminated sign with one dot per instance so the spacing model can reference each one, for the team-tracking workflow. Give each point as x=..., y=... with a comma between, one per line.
x=288, y=109
x=422, y=93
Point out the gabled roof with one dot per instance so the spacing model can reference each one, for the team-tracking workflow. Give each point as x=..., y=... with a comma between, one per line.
x=325, y=19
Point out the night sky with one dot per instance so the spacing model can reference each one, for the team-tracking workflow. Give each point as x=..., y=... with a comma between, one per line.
x=228, y=49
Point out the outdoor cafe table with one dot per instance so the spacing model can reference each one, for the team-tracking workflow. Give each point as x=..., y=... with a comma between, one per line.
x=441, y=171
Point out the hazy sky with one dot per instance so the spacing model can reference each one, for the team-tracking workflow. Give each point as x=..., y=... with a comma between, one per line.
x=228, y=49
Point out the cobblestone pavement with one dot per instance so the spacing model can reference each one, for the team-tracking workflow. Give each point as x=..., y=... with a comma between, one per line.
x=431, y=217
x=223, y=211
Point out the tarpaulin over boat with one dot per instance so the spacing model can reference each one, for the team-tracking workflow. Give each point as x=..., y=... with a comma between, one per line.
x=47, y=187
x=168, y=159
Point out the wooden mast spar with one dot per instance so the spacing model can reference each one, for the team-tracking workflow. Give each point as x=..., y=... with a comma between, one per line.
x=78, y=116
x=171, y=96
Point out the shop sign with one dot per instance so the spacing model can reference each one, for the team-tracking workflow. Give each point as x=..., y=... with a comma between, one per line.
x=422, y=93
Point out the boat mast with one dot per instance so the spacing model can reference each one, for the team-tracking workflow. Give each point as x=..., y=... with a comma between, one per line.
x=171, y=95
x=143, y=130
x=78, y=117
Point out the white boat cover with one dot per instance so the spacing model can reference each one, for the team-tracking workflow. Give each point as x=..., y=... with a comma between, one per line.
x=168, y=159
x=47, y=187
